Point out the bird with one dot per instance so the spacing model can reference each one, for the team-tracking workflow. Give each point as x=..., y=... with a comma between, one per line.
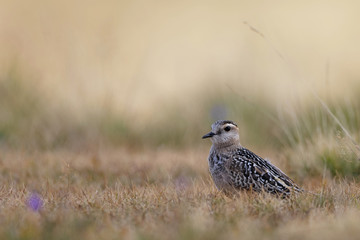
x=234, y=168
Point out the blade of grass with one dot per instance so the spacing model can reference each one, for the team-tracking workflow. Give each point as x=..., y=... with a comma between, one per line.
x=337, y=121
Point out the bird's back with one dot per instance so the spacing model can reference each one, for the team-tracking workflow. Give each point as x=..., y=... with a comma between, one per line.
x=239, y=168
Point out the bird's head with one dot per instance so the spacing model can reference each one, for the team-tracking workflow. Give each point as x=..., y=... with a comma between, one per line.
x=224, y=133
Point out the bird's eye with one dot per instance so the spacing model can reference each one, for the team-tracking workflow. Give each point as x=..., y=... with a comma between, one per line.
x=227, y=128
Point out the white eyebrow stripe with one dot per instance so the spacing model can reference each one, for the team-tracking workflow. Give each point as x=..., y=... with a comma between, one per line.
x=229, y=124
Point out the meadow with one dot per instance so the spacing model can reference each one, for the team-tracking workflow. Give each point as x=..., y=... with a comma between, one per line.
x=158, y=195
x=106, y=179
x=102, y=109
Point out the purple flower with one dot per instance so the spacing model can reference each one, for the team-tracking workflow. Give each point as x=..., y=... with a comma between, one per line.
x=35, y=202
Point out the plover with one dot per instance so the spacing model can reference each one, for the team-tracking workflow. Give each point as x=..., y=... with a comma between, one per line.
x=234, y=167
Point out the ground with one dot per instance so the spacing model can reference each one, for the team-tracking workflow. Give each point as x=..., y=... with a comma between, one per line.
x=157, y=194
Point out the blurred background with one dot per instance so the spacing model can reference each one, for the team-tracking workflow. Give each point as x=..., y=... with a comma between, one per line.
x=156, y=74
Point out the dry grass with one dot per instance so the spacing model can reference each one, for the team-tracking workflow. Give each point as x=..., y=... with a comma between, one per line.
x=106, y=175
x=162, y=194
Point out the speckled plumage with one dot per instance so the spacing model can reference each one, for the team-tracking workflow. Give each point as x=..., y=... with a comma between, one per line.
x=234, y=167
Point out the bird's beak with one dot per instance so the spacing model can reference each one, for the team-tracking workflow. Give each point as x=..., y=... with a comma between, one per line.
x=209, y=135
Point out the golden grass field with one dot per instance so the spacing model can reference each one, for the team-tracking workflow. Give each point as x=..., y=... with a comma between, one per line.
x=103, y=105
x=161, y=194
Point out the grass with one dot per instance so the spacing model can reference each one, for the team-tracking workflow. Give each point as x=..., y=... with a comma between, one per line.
x=109, y=174
x=149, y=195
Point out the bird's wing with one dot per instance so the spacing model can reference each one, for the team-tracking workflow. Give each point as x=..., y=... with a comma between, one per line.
x=263, y=173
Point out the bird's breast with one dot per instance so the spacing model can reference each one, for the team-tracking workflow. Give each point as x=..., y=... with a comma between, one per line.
x=217, y=163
